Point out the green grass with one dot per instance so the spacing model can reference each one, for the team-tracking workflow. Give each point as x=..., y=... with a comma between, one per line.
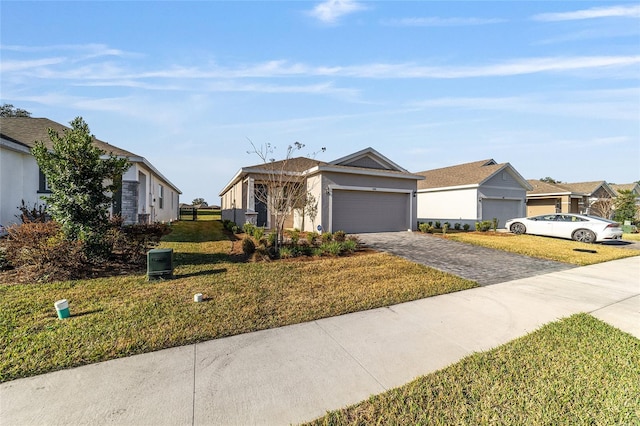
x=545, y=248
x=578, y=371
x=631, y=237
x=209, y=215
x=126, y=315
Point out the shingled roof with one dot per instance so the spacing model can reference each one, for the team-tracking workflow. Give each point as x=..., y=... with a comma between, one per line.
x=296, y=164
x=625, y=187
x=460, y=175
x=540, y=187
x=583, y=187
x=26, y=131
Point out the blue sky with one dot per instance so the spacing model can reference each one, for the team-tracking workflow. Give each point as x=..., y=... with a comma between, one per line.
x=551, y=87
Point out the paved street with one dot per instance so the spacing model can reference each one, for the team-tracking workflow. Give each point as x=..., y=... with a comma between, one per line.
x=482, y=265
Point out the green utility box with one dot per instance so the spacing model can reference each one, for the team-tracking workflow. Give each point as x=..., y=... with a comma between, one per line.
x=159, y=264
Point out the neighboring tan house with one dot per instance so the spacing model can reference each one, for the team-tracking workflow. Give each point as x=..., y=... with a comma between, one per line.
x=582, y=197
x=362, y=192
x=472, y=192
x=146, y=195
x=634, y=188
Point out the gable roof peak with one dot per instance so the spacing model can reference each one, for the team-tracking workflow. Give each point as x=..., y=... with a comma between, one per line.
x=368, y=158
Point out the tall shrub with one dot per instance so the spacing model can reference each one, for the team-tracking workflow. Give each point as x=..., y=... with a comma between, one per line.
x=81, y=182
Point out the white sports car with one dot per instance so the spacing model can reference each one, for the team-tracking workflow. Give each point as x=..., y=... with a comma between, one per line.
x=578, y=227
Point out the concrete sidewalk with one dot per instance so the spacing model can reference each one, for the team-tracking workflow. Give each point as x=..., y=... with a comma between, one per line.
x=296, y=373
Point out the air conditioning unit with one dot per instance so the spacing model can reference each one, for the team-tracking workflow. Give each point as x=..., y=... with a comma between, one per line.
x=159, y=264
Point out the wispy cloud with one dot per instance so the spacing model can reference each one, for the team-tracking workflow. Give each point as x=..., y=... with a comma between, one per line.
x=600, y=104
x=7, y=66
x=91, y=50
x=331, y=10
x=625, y=11
x=439, y=22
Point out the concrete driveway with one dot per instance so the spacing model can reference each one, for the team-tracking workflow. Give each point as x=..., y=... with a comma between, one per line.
x=482, y=265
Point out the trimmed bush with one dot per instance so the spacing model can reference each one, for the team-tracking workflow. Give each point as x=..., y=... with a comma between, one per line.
x=248, y=246
x=286, y=252
x=332, y=248
x=423, y=227
x=311, y=237
x=249, y=228
x=42, y=252
x=133, y=242
x=339, y=236
x=349, y=246
x=294, y=235
x=484, y=226
x=466, y=226
x=456, y=226
x=326, y=237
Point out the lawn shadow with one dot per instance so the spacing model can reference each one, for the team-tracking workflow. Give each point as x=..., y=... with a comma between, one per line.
x=201, y=273
x=184, y=259
x=85, y=313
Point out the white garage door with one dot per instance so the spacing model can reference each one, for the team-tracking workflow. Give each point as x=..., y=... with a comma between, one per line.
x=369, y=211
x=503, y=210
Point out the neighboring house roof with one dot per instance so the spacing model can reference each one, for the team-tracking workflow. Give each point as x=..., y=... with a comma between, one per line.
x=633, y=187
x=365, y=162
x=587, y=188
x=468, y=174
x=578, y=188
x=26, y=131
x=546, y=188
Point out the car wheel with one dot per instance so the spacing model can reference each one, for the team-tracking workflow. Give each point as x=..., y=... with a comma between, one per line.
x=584, y=236
x=518, y=228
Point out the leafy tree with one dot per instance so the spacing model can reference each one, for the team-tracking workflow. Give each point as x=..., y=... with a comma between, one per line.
x=625, y=206
x=198, y=201
x=81, y=182
x=549, y=180
x=8, y=110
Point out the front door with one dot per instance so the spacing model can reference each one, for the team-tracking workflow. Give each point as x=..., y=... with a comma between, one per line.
x=261, y=205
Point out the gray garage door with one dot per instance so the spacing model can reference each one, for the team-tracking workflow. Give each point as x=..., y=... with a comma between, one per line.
x=501, y=209
x=369, y=211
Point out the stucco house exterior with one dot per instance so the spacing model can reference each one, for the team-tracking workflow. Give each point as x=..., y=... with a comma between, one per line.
x=145, y=196
x=579, y=197
x=362, y=192
x=472, y=192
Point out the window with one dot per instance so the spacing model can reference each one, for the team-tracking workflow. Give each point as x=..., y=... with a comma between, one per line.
x=160, y=196
x=43, y=186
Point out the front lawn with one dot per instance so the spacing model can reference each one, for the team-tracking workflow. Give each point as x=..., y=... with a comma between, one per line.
x=577, y=371
x=545, y=247
x=125, y=315
x=631, y=237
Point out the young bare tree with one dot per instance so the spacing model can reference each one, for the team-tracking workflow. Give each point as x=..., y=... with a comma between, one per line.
x=603, y=207
x=283, y=182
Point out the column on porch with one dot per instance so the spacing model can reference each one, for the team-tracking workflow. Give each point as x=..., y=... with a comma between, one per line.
x=251, y=215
